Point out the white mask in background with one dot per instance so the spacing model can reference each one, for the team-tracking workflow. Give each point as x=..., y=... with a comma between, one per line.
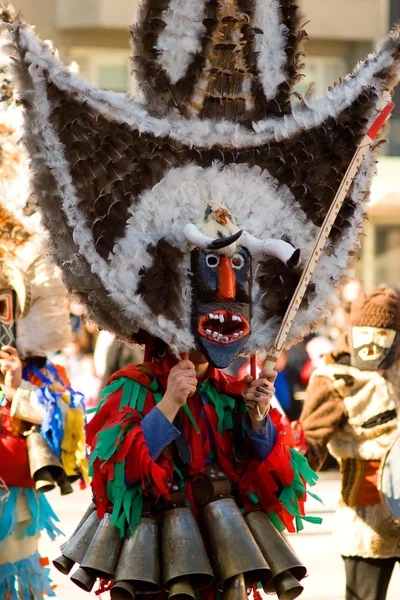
x=373, y=348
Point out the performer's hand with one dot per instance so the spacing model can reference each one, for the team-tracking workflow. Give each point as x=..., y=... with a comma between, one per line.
x=260, y=391
x=182, y=383
x=11, y=369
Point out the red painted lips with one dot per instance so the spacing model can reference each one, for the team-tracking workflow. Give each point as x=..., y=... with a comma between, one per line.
x=223, y=326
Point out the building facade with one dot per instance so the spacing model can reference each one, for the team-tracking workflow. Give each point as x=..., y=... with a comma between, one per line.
x=94, y=34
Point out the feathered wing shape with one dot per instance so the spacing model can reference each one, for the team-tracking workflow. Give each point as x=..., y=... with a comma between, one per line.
x=321, y=138
x=90, y=169
x=117, y=182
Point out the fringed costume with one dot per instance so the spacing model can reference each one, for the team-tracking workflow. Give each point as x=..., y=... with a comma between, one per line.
x=352, y=409
x=178, y=218
x=42, y=427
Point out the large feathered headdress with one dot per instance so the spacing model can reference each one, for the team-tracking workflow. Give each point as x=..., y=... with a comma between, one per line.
x=217, y=148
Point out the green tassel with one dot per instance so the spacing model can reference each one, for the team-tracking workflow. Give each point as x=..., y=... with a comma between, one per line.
x=191, y=418
x=275, y=520
x=290, y=493
x=106, y=392
x=224, y=405
x=304, y=468
x=253, y=497
x=141, y=399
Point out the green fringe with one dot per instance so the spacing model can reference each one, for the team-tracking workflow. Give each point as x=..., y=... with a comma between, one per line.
x=224, y=405
x=291, y=493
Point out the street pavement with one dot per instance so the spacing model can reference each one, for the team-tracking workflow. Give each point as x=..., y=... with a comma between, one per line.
x=314, y=545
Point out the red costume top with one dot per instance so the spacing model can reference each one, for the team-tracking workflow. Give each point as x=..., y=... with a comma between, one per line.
x=122, y=466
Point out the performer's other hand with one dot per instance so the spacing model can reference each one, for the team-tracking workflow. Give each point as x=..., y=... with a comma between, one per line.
x=259, y=391
x=182, y=383
x=11, y=369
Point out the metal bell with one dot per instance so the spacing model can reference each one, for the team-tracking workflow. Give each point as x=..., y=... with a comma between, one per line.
x=139, y=561
x=65, y=485
x=181, y=590
x=91, y=508
x=102, y=556
x=183, y=552
x=44, y=465
x=275, y=548
x=76, y=548
x=235, y=589
x=233, y=548
x=63, y=564
x=123, y=590
x=84, y=579
x=287, y=587
x=44, y=482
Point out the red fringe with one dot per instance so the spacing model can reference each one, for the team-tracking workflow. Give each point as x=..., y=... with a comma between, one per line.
x=139, y=466
x=266, y=479
x=256, y=594
x=104, y=587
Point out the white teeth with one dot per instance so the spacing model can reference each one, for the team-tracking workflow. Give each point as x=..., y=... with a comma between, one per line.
x=211, y=316
x=208, y=331
x=235, y=335
x=215, y=334
x=221, y=318
x=239, y=319
x=241, y=332
x=234, y=318
x=220, y=336
x=226, y=339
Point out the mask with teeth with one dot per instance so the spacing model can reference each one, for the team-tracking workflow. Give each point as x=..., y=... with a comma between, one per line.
x=168, y=197
x=221, y=305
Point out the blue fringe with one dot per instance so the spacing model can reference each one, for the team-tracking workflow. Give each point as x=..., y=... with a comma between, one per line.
x=43, y=516
x=52, y=428
x=25, y=579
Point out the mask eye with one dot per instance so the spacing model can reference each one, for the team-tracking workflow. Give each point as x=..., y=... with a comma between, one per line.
x=237, y=261
x=212, y=261
x=3, y=308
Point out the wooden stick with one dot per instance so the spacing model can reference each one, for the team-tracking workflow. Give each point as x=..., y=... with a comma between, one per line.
x=358, y=158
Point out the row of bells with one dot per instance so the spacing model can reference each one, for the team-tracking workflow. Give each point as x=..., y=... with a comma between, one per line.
x=171, y=555
x=45, y=468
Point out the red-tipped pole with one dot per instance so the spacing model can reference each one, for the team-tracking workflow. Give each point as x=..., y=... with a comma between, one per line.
x=253, y=366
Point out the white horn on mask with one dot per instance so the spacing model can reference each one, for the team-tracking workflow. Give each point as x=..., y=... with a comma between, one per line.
x=284, y=251
x=198, y=239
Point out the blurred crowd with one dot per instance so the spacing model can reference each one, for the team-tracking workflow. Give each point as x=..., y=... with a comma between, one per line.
x=93, y=356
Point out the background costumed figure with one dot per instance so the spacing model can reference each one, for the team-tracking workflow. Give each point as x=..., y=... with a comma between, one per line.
x=352, y=409
x=178, y=219
x=42, y=437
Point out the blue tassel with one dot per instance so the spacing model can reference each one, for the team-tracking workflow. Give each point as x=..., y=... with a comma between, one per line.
x=8, y=514
x=25, y=579
x=52, y=428
x=43, y=516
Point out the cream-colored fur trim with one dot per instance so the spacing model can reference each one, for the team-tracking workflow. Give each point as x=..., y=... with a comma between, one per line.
x=366, y=531
x=370, y=395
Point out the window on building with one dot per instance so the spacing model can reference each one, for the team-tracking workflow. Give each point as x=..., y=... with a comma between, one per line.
x=323, y=71
x=108, y=68
x=387, y=254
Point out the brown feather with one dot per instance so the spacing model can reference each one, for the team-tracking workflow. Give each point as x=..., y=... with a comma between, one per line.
x=161, y=285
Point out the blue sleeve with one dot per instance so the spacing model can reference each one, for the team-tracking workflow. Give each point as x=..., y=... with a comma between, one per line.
x=263, y=441
x=158, y=432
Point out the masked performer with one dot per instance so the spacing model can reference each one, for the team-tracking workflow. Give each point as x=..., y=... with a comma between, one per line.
x=351, y=410
x=42, y=438
x=180, y=216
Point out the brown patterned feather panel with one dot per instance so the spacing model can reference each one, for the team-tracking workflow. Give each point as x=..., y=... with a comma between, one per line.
x=118, y=180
